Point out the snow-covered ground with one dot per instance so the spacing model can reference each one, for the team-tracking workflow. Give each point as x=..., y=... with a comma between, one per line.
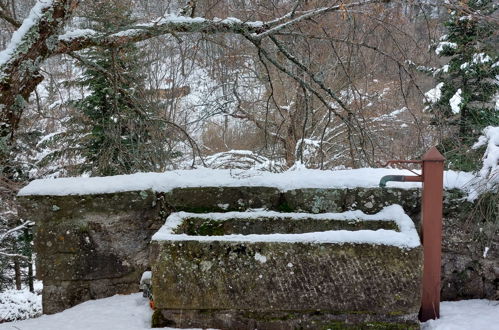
x=132, y=312
x=475, y=314
x=19, y=304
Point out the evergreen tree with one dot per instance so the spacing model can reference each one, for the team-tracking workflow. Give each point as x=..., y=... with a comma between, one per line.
x=467, y=85
x=113, y=78
x=114, y=131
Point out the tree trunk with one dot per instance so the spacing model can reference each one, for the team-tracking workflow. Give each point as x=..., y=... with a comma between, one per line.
x=30, y=276
x=17, y=271
x=20, y=74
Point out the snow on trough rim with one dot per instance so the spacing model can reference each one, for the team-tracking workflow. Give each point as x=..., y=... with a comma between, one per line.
x=204, y=177
x=407, y=237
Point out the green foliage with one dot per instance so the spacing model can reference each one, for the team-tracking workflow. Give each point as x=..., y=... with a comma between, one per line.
x=469, y=80
x=113, y=123
x=114, y=129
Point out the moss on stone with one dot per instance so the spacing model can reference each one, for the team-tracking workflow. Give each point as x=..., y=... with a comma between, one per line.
x=158, y=320
x=390, y=326
x=194, y=227
x=284, y=207
x=339, y=325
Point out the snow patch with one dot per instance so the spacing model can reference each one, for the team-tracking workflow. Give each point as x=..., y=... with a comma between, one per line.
x=455, y=102
x=146, y=276
x=444, y=44
x=481, y=58
x=129, y=312
x=132, y=312
x=489, y=173
x=75, y=34
x=260, y=258
x=465, y=315
x=19, y=305
x=434, y=94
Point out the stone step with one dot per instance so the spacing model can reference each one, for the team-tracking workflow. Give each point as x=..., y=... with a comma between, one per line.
x=271, y=270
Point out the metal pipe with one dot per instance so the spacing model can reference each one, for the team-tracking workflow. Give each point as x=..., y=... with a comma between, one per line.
x=386, y=178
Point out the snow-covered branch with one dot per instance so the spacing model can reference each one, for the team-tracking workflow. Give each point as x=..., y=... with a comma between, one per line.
x=20, y=62
x=13, y=255
x=282, y=23
x=172, y=24
x=11, y=231
x=168, y=24
x=39, y=38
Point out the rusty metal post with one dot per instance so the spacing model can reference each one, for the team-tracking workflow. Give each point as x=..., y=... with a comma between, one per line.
x=432, y=204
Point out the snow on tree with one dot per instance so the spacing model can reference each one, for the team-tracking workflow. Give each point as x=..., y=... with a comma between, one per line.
x=114, y=130
x=41, y=36
x=19, y=305
x=467, y=85
x=242, y=159
x=489, y=173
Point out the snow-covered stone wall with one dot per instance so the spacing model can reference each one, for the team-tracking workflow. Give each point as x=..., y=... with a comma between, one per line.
x=95, y=243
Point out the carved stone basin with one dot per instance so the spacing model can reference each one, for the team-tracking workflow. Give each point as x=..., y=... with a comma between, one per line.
x=270, y=270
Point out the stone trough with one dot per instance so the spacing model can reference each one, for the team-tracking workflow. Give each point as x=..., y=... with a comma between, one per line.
x=270, y=270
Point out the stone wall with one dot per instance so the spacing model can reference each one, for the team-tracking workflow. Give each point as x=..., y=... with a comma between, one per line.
x=94, y=246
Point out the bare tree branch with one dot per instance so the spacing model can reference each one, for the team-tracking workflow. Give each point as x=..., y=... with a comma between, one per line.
x=20, y=63
x=6, y=15
x=309, y=15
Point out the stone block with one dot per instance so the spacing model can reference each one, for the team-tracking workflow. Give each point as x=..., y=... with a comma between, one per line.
x=221, y=199
x=84, y=242
x=223, y=279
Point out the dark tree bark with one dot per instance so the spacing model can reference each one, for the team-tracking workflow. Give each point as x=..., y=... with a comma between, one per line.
x=31, y=277
x=17, y=273
x=20, y=74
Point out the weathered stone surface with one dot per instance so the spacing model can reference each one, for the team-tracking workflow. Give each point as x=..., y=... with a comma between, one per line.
x=272, y=320
x=220, y=199
x=368, y=200
x=274, y=284
x=91, y=246
x=345, y=278
x=271, y=225
x=120, y=225
x=467, y=272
